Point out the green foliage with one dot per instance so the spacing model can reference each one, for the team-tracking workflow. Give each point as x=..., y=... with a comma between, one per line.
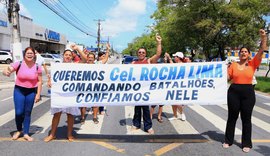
x=263, y=84
x=147, y=41
x=208, y=26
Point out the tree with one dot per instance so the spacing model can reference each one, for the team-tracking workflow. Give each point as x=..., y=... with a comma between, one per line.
x=210, y=25
x=146, y=40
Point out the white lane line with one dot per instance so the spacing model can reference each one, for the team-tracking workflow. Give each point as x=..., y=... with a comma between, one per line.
x=129, y=113
x=182, y=127
x=214, y=119
x=255, y=121
x=89, y=127
x=44, y=122
x=7, y=98
x=262, y=110
x=267, y=104
x=5, y=118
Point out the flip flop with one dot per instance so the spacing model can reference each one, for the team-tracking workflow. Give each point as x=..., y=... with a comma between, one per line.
x=95, y=120
x=160, y=120
x=16, y=135
x=49, y=138
x=246, y=149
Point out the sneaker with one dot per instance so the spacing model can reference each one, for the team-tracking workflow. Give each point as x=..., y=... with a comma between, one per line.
x=183, y=117
x=172, y=118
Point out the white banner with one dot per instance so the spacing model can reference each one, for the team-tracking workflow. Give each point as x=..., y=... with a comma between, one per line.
x=87, y=85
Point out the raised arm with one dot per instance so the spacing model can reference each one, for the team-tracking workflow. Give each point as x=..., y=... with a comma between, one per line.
x=168, y=57
x=108, y=47
x=263, y=46
x=82, y=54
x=155, y=58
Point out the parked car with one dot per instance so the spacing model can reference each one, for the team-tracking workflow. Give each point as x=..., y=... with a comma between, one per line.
x=49, y=58
x=129, y=59
x=5, y=57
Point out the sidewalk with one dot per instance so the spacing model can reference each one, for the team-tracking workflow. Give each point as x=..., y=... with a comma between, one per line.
x=262, y=72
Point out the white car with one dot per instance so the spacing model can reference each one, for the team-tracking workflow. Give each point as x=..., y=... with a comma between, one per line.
x=48, y=58
x=5, y=57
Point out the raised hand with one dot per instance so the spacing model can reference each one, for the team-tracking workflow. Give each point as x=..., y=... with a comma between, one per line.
x=158, y=38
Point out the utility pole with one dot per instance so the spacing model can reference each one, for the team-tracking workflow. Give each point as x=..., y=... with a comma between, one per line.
x=13, y=17
x=98, y=34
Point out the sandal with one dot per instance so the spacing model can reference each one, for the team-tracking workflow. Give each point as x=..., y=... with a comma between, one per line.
x=28, y=138
x=150, y=131
x=82, y=121
x=49, y=138
x=160, y=120
x=246, y=149
x=71, y=139
x=224, y=145
x=134, y=128
x=95, y=120
x=16, y=135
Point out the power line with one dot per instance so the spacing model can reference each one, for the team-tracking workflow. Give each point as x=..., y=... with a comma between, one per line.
x=90, y=8
x=56, y=8
x=72, y=15
x=80, y=9
x=69, y=15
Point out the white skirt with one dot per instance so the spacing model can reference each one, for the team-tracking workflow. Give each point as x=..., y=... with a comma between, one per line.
x=69, y=110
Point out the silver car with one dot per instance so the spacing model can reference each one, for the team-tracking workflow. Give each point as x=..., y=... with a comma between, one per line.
x=49, y=58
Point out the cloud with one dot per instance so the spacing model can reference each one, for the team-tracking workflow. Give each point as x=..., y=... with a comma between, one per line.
x=123, y=17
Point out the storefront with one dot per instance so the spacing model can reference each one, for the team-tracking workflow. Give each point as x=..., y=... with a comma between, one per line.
x=43, y=39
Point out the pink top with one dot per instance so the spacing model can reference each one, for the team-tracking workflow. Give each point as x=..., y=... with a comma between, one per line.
x=27, y=76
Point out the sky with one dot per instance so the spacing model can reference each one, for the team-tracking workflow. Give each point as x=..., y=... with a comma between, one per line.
x=122, y=20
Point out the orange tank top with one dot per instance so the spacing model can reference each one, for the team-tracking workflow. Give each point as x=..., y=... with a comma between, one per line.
x=245, y=75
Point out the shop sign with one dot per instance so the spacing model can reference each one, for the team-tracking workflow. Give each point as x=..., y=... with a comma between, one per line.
x=52, y=35
x=3, y=23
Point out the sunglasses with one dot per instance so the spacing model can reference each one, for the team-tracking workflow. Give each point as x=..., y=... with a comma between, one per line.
x=141, y=52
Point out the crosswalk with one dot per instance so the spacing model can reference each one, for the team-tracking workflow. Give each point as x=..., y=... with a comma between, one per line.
x=213, y=118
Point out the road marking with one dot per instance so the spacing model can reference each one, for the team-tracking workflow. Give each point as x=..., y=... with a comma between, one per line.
x=7, y=98
x=129, y=113
x=267, y=104
x=260, y=141
x=43, y=122
x=89, y=127
x=182, y=127
x=262, y=110
x=5, y=118
x=109, y=146
x=214, y=119
x=256, y=121
x=167, y=148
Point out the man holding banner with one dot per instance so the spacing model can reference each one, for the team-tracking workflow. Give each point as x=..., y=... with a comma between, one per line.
x=142, y=59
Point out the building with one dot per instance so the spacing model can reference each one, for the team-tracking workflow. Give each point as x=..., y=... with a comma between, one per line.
x=32, y=35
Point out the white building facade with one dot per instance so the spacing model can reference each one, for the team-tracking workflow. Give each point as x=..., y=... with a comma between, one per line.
x=33, y=35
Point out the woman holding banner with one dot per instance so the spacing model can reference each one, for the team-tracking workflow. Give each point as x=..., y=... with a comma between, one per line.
x=178, y=58
x=142, y=59
x=27, y=91
x=70, y=111
x=90, y=59
x=241, y=95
